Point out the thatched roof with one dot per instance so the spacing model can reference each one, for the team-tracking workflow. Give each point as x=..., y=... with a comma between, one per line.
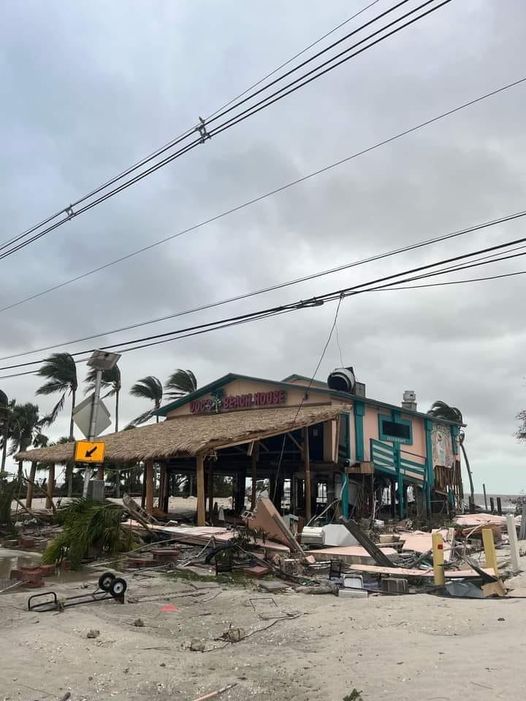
x=185, y=436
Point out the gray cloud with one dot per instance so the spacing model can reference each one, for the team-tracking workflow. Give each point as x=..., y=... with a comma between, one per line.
x=89, y=88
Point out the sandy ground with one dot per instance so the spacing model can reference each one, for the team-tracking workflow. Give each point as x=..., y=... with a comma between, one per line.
x=317, y=648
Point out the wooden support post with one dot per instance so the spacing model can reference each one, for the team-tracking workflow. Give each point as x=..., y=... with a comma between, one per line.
x=254, y=477
x=163, y=487
x=308, y=485
x=210, y=492
x=50, y=486
x=514, y=543
x=148, y=478
x=522, y=532
x=489, y=550
x=240, y=489
x=499, y=506
x=100, y=472
x=438, y=559
x=485, y=497
x=200, y=478
x=29, y=490
x=491, y=505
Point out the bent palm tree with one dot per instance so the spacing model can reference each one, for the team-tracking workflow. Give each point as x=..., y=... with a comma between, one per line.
x=179, y=383
x=24, y=428
x=61, y=373
x=441, y=410
x=111, y=380
x=147, y=388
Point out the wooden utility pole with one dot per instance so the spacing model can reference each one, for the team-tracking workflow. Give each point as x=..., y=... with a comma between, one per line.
x=200, y=475
x=306, y=464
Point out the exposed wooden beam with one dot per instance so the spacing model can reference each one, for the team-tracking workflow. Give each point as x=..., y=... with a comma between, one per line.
x=200, y=475
x=306, y=464
x=148, y=481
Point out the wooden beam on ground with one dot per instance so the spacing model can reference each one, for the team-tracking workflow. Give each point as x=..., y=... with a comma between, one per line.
x=200, y=475
x=374, y=551
x=148, y=480
x=306, y=465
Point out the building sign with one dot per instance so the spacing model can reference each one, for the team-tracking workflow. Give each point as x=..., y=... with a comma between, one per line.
x=442, y=446
x=231, y=402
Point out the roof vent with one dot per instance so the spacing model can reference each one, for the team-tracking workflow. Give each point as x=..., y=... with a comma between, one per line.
x=409, y=400
x=342, y=380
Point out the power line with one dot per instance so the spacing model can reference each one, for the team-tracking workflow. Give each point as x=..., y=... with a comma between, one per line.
x=386, y=288
x=379, y=256
x=275, y=191
x=312, y=301
x=236, y=119
x=177, y=139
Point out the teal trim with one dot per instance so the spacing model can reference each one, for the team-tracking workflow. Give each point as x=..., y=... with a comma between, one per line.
x=359, y=411
x=430, y=477
x=396, y=419
x=401, y=500
x=345, y=496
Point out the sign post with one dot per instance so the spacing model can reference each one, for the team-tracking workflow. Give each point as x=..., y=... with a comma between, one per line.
x=100, y=361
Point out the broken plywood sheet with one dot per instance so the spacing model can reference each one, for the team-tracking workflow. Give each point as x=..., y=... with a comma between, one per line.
x=352, y=554
x=422, y=542
x=426, y=574
x=266, y=518
x=201, y=535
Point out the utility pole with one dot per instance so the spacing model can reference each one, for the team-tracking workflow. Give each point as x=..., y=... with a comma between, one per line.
x=4, y=410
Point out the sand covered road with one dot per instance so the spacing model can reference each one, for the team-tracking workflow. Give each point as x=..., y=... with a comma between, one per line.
x=300, y=647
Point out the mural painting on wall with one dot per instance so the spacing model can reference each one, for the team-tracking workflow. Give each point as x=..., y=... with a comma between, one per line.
x=442, y=446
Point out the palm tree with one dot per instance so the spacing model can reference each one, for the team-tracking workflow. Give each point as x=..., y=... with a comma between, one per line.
x=111, y=380
x=24, y=428
x=441, y=410
x=61, y=373
x=181, y=382
x=148, y=388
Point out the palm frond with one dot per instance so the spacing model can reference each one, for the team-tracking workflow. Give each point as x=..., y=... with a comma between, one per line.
x=110, y=379
x=51, y=417
x=180, y=382
x=148, y=388
x=141, y=419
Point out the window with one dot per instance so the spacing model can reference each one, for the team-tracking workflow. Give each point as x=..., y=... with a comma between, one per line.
x=395, y=430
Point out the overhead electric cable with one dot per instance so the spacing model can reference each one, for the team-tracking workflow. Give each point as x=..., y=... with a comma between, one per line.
x=312, y=301
x=206, y=134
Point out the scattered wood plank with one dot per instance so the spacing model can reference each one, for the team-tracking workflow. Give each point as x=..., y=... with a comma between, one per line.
x=364, y=540
x=426, y=574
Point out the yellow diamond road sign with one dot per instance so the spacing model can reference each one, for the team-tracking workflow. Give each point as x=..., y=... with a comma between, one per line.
x=89, y=451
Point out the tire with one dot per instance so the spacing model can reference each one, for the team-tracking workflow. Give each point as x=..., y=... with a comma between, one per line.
x=118, y=588
x=106, y=580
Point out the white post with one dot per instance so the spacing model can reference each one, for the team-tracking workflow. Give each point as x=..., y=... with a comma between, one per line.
x=92, y=428
x=514, y=543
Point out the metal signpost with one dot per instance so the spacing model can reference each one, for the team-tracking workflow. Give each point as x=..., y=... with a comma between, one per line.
x=100, y=361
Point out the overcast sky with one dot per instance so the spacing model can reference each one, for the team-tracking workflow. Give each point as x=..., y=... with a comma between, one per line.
x=87, y=88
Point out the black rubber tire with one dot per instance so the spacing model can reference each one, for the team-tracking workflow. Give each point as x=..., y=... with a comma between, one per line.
x=106, y=580
x=118, y=588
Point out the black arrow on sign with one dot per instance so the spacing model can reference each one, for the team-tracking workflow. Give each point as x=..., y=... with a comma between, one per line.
x=90, y=452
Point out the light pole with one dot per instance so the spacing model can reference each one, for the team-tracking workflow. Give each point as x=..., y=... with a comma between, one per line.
x=99, y=361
